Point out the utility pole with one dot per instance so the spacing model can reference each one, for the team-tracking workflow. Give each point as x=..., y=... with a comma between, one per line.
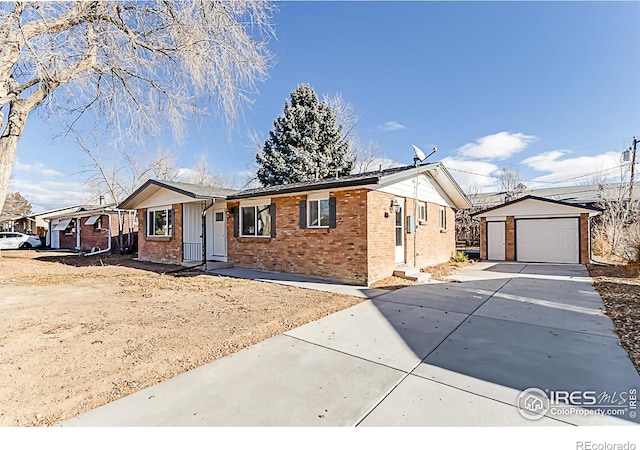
x=633, y=173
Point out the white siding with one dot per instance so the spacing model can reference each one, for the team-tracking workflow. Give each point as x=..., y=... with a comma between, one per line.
x=192, y=222
x=534, y=208
x=163, y=197
x=428, y=191
x=55, y=235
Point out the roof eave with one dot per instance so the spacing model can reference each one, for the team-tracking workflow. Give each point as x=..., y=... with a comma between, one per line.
x=591, y=209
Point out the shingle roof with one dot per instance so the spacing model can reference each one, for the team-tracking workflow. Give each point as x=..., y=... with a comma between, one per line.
x=586, y=194
x=198, y=190
x=358, y=179
x=188, y=189
x=542, y=199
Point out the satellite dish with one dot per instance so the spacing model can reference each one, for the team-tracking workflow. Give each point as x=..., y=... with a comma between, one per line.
x=420, y=156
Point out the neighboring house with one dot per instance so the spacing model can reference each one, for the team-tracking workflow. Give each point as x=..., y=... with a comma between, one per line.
x=536, y=229
x=357, y=228
x=36, y=223
x=93, y=229
x=172, y=217
x=24, y=224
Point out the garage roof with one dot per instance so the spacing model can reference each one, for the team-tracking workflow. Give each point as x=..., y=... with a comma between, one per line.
x=502, y=210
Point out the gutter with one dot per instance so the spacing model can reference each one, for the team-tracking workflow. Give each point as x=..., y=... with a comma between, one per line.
x=108, y=249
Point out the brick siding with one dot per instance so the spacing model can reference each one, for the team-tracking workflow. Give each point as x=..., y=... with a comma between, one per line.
x=92, y=237
x=585, y=252
x=161, y=249
x=360, y=249
x=510, y=239
x=339, y=253
x=483, y=238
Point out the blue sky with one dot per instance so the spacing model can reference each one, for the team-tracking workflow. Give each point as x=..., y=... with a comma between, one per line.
x=551, y=89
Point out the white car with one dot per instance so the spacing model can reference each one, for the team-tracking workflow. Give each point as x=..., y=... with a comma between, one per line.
x=11, y=240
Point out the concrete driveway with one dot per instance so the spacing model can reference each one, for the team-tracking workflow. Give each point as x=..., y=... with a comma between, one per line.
x=450, y=354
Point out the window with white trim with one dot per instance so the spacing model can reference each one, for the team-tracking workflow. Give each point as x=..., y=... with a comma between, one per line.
x=255, y=221
x=443, y=218
x=318, y=213
x=160, y=222
x=422, y=211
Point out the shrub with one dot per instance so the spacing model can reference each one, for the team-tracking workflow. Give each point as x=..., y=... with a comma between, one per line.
x=459, y=257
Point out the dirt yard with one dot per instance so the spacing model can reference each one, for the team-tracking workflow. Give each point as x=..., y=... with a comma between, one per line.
x=619, y=287
x=78, y=332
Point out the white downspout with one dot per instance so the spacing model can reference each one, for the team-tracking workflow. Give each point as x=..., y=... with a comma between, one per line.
x=108, y=249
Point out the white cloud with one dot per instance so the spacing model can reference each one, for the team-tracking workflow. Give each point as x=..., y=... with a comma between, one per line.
x=391, y=126
x=472, y=175
x=497, y=146
x=37, y=168
x=561, y=168
x=46, y=194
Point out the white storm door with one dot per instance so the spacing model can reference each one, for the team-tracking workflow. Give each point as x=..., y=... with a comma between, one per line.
x=496, y=241
x=219, y=233
x=399, y=232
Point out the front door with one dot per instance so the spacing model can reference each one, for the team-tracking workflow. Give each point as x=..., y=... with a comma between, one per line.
x=219, y=233
x=399, y=229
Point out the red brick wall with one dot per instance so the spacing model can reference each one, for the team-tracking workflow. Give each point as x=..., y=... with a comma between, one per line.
x=69, y=240
x=91, y=237
x=584, y=239
x=483, y=238
x=161, y=249
x=339, y=253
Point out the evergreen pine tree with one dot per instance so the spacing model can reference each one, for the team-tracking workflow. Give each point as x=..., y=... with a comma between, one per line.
x=305, y=144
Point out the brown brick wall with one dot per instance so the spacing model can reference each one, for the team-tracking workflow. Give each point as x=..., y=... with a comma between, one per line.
x=483, y=238
x=432, y=244
x=339, y=253
x=161, y=249
x=380, y=235
x=584, y=239
x=510, y=237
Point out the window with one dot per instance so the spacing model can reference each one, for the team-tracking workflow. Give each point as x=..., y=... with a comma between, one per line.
x=255, y=220
x=70, y=227
x=160, y=222
x=318, y=213
x=443, y=218
x=95, y=221
x=422, y=211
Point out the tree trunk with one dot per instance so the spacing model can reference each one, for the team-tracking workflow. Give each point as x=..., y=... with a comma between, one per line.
x=16, y=118
x=8, y=146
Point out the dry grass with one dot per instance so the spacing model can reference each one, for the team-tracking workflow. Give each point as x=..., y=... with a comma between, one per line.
x=619, y=287
x=76, y=332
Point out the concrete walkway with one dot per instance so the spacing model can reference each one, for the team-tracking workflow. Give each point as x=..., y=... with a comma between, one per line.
x=300, y=281
x=450, y=354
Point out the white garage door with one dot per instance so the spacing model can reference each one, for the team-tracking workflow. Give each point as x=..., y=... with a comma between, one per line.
x=547, y=240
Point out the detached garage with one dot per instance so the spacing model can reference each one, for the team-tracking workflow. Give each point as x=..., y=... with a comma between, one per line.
x=536, y=229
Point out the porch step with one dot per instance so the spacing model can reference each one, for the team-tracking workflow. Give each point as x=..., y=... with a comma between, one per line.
x=412, y=274
x=213, y=265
